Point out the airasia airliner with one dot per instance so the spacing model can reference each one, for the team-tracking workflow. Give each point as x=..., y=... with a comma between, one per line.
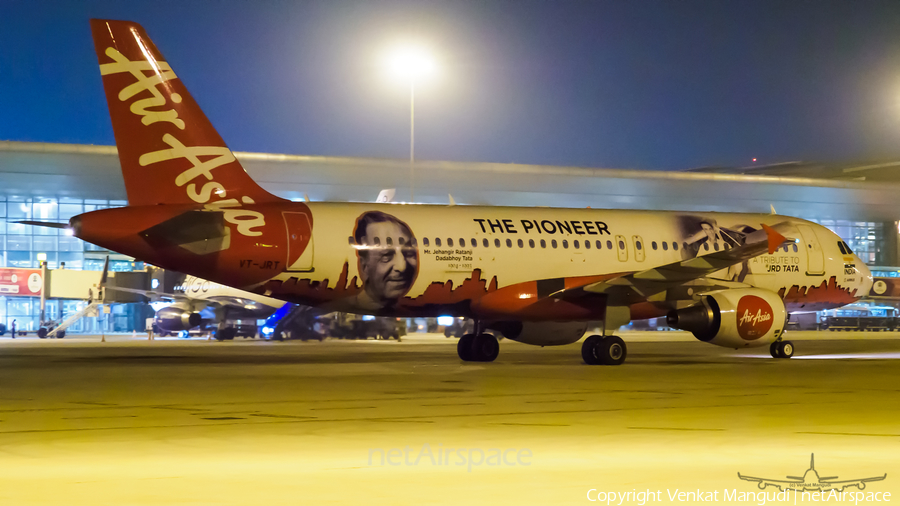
x=535, y=275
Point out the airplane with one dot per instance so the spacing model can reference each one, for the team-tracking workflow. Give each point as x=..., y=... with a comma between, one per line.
x=195, y=301
x=812, y=481
x=535, y=275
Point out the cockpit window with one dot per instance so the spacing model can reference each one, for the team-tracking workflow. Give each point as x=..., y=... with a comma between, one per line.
x=841, y=247
x=846, y=247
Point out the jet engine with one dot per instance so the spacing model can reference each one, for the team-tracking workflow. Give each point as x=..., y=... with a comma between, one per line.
x=734, y=318
x=176, y=319
x=541, y=333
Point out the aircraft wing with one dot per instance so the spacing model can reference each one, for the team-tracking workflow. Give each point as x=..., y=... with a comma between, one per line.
x=152, y=294
x=765, y=482
x=225, y=301
x=645, y=285
x=860, y=483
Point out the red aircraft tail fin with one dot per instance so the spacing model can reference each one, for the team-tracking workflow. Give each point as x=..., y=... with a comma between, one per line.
x=169, y=151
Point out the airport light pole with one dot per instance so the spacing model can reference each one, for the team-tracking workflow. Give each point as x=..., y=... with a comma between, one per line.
x=412, y=64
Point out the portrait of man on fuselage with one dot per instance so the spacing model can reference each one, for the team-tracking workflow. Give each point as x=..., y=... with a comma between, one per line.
x=387, y=258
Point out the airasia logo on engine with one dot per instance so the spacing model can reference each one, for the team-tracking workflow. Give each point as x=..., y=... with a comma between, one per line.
x=754, y=317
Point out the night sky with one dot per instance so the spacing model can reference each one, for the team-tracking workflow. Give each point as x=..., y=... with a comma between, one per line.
x=649, y=85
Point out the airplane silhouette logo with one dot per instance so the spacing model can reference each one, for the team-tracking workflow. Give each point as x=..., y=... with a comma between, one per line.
x=811, y=481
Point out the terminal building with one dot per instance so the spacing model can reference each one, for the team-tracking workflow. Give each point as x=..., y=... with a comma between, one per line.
x=53, y=182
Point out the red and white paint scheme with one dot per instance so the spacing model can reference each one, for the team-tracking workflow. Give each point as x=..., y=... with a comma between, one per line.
x=536, y=275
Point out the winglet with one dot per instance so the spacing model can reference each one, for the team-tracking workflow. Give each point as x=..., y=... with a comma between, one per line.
x=772, y=208
x=775, y=239
x=452, y=201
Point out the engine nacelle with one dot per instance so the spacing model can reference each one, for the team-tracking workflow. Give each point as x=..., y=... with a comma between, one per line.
x=176, y=319
x=541, y=333
x=736, y=318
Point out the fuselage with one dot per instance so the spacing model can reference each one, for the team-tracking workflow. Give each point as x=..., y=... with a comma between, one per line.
x=425, y=260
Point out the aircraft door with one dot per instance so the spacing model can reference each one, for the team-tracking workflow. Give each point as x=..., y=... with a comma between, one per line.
x=815, y=257
x=299, y=241
x=621, y=248
x=638, y=248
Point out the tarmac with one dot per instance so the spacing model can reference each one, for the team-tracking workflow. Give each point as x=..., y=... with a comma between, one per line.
x=130, y=421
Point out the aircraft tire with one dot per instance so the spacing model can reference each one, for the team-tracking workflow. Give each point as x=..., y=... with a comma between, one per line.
x=611, y=350
x=589, y=350
x=773, y=350
x=61, y=334
x=464, y=347
x=786, y=349
x=42, y=332
x=485, y=348
x=225, y=334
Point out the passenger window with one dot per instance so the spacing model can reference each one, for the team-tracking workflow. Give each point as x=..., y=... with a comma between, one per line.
x=785, y=248
x=638, y=245
x=377, y=241
x=608, y=244
x=621, y=244
x=530, y=243
x=462, y=243
x=674, y=245
x=497, y=243
x=521, y=244
x=389, y=241
x=437, y=242
x=350, y=240
x=599, y=244
x=509, y=243
x=400, y=241
x=706, y=246
x=565, y=244
x=587, y=244
x=795, y=247
x=543, y=243
x=553, y=243
x=485, y=242
x=425, y=242
x=474, y=242
x=653, y=245
x=716, y=246
x=450, y=243
x=665, y=246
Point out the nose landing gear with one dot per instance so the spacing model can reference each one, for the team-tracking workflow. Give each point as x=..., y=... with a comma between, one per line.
x=781, y=349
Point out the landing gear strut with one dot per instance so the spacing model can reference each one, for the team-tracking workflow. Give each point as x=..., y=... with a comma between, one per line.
x=782, y=349
x=478, y=347
x=600, y=350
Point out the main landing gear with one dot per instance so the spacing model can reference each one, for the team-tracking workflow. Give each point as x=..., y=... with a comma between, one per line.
x=782, y=349
x=478, y=347
x=600, y=350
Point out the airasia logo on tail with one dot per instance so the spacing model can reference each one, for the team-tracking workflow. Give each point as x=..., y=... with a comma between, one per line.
x=754, y=317
x=201, y=160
